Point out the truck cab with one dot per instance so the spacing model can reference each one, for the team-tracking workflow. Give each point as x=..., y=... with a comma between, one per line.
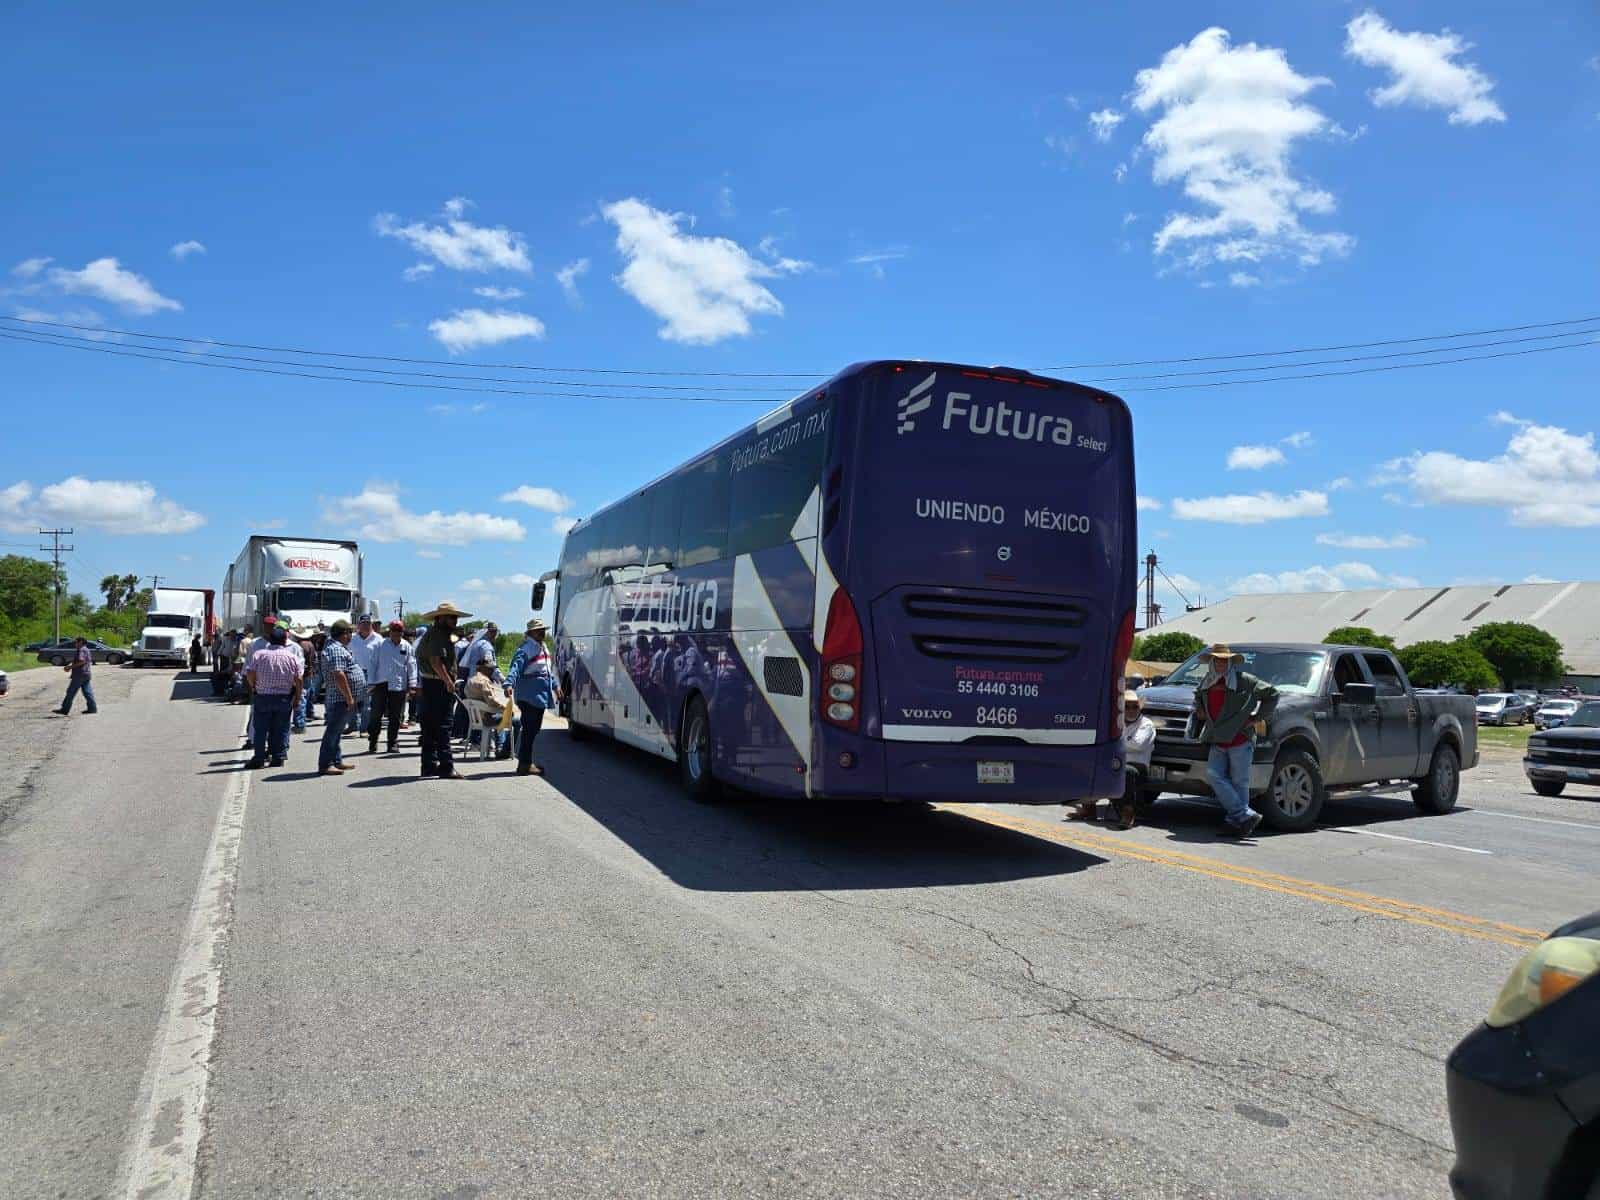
x=177, y=616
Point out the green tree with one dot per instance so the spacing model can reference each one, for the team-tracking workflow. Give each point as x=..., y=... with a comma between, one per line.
x=25, y=587
x=1519, y=653
x=1446, y=664
x=1358, y=635
x=1173, y=647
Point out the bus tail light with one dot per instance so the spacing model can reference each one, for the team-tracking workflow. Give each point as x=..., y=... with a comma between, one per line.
x=1119, y=670
x=840, y=698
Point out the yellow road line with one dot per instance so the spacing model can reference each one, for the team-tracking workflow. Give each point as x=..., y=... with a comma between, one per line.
x=1288, y=885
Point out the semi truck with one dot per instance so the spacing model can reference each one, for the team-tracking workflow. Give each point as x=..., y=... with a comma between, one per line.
x=176, y=617
x=307, y=582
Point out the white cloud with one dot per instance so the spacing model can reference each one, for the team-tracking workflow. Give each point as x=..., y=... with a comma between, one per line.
x=1340, y=577
x=1370, y=541
x=562, y=525
x=182, y=250
x=568, y=277
x=1342, y=483
x=1539, y=579
x=458, y=243
x=1243, y=279
x=105, y=279
x=1255, y=509
x=469, y=328
x=417, y=271
x=547, y=499
x=498, y=293
x=1148, y=504
x=108, y=505
x=429, y=554
x=72, y=316
x=376, y=513
x=1422, y=69
x=498, y=583
x=705, y=289
x=1297, y=441
x=1229, y=120
x=725, y=206
x=1253, y=458
x=1119, y=172
x=1104, y=123
x=1128, y=218
x=1547, y=476
x=28, y=268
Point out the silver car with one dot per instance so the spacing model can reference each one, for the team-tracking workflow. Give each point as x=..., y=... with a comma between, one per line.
x=1502, y=708
x=1553, y=714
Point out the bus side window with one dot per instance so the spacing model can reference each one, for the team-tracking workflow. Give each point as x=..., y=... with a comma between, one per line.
x=703, y=535
x=628, y=533
x=666, y=515
x=770, y=495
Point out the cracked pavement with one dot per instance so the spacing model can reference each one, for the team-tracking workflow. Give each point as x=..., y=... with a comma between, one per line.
x=585, y=985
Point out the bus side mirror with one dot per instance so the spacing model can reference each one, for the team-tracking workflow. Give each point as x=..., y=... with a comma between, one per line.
x=538, y=596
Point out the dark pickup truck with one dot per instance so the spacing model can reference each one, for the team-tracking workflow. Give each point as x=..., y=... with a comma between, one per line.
x=1567, y=754
x=1347, y=720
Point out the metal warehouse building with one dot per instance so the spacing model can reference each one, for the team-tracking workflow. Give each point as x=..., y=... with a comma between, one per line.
x=1570, y=612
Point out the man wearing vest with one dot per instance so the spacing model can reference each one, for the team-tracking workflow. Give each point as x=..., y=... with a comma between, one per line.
x=1231, y=708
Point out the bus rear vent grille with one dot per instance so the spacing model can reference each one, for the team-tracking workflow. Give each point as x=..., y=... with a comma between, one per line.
x=784, y=676
x=991, y=649
x=1061, y=614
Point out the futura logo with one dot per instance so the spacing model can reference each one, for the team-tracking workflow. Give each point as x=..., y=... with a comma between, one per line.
x=913, y=402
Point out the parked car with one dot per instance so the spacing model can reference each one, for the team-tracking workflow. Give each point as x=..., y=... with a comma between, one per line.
x=1552, y=714
x=60, y=656
x=1502, y=708
x=1347, y=718
x=5, y=683
x=1568, y=754
x=35, y=647
x=1524, y=1087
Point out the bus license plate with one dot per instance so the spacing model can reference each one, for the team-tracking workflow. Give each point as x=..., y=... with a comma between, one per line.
x=997, y=772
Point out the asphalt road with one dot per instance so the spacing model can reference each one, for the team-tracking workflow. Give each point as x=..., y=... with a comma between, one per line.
x=584, y=985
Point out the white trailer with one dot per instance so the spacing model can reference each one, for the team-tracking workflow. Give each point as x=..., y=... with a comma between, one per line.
x=176, y=617
x=308, y=582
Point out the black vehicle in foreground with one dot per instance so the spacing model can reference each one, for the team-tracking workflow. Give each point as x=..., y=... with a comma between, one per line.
x=1524, y=1087
x=61, y=655
x=1568, y=753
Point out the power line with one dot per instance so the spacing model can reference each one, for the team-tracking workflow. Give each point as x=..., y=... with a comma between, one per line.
x=1147, y=362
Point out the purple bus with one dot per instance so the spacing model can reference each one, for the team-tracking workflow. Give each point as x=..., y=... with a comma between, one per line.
x=915, y=582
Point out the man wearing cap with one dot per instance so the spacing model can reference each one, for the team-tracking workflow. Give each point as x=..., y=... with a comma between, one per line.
x=362, y=647
x=436, y=667
x=80, y=669
x=344, y=683
x=394, y=678
x=533, y=685
x=1231, y=708
x=273, y=674
x=1138, y=745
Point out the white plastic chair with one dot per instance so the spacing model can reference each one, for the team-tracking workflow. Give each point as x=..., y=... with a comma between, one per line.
x=486, y=720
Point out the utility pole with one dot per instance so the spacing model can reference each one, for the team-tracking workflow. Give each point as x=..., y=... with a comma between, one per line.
x=1152, y=613
x=56, y=550
x=400, y=609
x=155, y=581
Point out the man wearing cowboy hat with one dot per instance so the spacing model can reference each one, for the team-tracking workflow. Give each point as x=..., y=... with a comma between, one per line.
x=1231, y=708
x=436, y=666
x=1138, y=745
x=533, y=685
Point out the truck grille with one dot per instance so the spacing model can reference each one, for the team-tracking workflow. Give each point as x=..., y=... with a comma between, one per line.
x=1169, y=722
x=158, y=643
x=1565, y=756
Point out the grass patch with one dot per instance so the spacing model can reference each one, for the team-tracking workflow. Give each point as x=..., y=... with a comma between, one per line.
x=12, y=661
x=1512, y=736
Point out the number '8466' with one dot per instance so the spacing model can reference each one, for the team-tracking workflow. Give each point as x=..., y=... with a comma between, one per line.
x=996, y=716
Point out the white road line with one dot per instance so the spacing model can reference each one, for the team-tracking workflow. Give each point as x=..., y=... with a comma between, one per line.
x=1490, y=812
x=1395, y=837
x=159, y=1161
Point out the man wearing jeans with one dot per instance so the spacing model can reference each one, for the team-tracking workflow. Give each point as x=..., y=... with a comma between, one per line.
x=344, y=684
x=1231, y=708
x=393, y=679
x=274, y=674
x=80, y=668
x=362, y=646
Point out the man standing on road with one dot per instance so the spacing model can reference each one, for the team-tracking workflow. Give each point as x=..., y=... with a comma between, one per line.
x=273, y=673
x=436, y=663
x=394, y=679
x=79, y=669
x=197, y=655
x=343, y=684
x=1231, y=708
x=362, y=647
x=534, y=687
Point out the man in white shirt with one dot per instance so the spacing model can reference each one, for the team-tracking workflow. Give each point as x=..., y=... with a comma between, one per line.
x=393, y=679
x=363, y=645
x=1138, y=744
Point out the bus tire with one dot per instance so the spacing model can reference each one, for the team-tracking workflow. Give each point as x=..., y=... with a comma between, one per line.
x=1294, y=796
x=1435, y=793
x=694, y=753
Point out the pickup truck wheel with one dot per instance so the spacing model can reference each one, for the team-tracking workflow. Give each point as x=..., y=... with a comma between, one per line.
x=1549, y=787
x=1293, y=799
x=1436, y=792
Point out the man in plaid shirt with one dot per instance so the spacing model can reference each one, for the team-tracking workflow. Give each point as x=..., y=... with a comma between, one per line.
x=345, y=686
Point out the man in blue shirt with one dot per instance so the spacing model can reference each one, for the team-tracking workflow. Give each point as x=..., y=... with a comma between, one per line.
x=394, y=677
x=79, y=668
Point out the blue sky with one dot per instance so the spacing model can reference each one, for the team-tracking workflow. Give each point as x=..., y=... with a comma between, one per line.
x=723, y=189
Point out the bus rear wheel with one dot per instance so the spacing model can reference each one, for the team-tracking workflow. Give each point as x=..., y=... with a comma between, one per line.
x=694, y=753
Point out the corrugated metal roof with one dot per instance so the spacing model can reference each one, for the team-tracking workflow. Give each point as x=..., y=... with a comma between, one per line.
x=1568, y=611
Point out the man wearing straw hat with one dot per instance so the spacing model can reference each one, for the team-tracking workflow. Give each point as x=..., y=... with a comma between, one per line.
x=533, y=686
x=1231, y=708
x=436, y=667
